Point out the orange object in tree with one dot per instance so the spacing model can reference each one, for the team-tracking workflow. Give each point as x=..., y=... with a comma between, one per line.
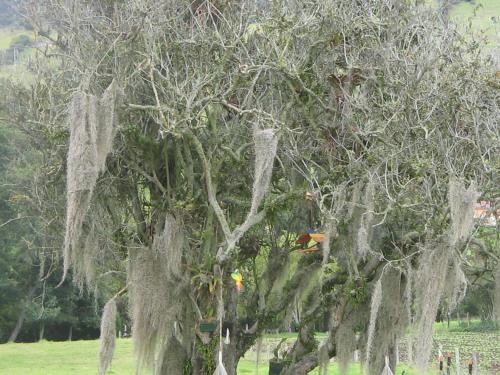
x=306, y=237
x=318, y=237
x=303, y=239
x=308, y=250
x=309, y=196
x=238, y=279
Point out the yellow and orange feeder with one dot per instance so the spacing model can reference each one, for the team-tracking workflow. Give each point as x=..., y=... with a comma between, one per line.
x=238, y=280
x=304, y=240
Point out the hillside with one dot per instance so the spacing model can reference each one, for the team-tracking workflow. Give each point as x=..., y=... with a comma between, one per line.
x=8, y=16
x=483, y=16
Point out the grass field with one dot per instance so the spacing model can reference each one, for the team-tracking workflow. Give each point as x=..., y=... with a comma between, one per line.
x=80, y=358
x=484, y=16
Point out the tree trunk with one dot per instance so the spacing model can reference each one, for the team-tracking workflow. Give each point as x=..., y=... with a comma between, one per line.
x=42, y=331
x=230, y=358
x=175, y=359
x=306, y=364
x=230, y=352
x=20, y=320
x=17, y=328
x=70, y=335
x=393, y=357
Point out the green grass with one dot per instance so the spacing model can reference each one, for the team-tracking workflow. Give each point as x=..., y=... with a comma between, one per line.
x=62, y=358
x=484, y=16
x=80, y=358
x=247, y=367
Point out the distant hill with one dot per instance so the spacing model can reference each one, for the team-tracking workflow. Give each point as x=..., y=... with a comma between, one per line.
x=8, y=14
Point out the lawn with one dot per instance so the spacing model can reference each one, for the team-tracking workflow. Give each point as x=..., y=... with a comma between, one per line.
x=484, y=16
x=62, y=358
x=80, y=358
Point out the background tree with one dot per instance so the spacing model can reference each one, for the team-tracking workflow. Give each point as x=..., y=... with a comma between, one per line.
x=30, y=220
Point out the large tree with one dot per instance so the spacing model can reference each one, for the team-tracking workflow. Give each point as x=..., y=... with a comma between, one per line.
x=204, y=137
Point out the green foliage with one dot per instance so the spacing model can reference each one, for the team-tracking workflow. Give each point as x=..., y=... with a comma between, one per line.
x=206, y=352
x=188, y=368
x=476, y=326
x=356, y=291
x=23, y=244
x=15, y=272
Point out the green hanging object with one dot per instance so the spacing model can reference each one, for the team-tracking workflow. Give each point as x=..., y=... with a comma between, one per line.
x=208, y=326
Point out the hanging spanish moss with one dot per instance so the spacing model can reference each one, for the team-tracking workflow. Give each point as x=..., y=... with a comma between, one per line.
x=325, y=246
x=303, y=295
x=154, y=308
x=323, y=358
x=258, y=354
x=156, y=290
x=81, y=174
x=107, y=123
x=431, y=278
x=108, y=336
x=92, y=123
x=435, y=272
x=355, y=199
x=84, y=263
x=390, y=324
x=276, y=276
x=266, y=143
x=461, y=201
x=457, y=284
x=407, y=303
x=374, y=308
x=346, y=342
x=496, y=296
x=364, y=230
x=168, y=244
x=337, y=209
